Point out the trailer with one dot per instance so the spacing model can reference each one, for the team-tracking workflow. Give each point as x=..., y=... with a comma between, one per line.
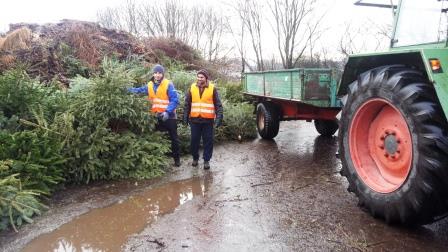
x=295, y=94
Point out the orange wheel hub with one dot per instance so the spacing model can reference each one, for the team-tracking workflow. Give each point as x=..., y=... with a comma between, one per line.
x=380, y=145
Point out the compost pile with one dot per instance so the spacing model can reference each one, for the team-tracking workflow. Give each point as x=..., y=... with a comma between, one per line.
x=63, y=50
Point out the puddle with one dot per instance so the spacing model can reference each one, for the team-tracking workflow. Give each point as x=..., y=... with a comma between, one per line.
x=107, y=229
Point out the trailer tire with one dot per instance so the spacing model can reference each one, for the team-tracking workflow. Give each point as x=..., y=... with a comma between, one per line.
x=394, y=147
x=268, y=121
x=326, y=128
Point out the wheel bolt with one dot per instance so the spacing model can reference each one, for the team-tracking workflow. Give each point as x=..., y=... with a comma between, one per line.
x=386, y=155
x=382, y=147
x=382, y=138
x=393, y=133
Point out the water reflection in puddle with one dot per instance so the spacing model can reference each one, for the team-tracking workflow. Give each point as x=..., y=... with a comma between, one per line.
x=106, y=229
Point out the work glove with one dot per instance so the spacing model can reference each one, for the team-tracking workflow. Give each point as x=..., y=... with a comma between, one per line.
x=164, y=116
x=218, y=122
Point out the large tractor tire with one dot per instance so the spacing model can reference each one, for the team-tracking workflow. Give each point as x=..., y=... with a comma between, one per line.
x=326, y=128
x=393, y=146
x=268, y=121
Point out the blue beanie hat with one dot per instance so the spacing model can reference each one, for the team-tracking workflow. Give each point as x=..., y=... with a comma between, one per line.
x=158, y=69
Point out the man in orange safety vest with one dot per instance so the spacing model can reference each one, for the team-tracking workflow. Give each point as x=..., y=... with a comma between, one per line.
x=202, y=109
x=164, y=100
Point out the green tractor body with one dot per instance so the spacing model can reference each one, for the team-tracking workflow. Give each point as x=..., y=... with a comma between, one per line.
x=393, y=139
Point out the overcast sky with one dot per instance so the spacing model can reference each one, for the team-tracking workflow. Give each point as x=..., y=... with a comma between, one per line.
x=44, y=11
x=339, y=13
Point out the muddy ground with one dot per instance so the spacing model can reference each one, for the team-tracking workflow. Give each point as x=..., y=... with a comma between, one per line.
x=282, y=195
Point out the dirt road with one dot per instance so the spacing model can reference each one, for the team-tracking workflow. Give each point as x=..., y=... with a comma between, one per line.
x=282, y=195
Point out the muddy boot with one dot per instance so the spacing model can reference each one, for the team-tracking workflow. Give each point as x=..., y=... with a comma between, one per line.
x=195, y=162
x=206, y=165
x=177, y=162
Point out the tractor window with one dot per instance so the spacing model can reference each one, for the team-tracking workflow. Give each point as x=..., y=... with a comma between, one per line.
x=421, y=22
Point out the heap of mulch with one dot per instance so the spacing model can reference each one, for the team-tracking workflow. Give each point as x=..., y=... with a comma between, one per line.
x=60, y=51
x=177, y=50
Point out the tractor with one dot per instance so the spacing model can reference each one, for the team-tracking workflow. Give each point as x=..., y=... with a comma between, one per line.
x=393, y=139
x=391, y=110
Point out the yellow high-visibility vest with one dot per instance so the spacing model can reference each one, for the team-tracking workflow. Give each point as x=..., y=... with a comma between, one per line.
x=159, y=100
x=202, y=106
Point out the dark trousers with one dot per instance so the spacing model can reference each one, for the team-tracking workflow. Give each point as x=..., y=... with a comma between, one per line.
x=170, y=126
x=204, y=131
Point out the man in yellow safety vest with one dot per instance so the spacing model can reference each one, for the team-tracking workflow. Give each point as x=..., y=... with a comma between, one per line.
x=164, y=99
x=203, y=108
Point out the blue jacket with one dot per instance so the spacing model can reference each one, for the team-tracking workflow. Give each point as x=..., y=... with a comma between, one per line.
x=172, y=95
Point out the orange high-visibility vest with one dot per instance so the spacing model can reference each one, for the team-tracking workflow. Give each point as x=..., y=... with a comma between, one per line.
x=202, y=106
x=159, y=100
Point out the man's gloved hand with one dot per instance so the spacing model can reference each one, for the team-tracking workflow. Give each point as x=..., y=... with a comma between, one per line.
x=218, y=122
x=164, y=116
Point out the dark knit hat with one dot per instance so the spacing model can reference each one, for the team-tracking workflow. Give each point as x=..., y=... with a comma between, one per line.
x=204, y=72
x=158, y=69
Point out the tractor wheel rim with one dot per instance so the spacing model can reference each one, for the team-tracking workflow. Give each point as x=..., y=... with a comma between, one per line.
x=380, y=145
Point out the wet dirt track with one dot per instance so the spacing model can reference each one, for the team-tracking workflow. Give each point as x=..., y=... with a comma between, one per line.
x=282, y=195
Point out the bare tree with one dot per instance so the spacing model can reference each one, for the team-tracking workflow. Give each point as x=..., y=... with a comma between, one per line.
x=168, y=20
x=293, y=28
x=110, y=18
x=347, y=43
x=314, y=36
x=239, y=42
x=151, y=24
x=130, y=17
x=251, y=16
x=121, y=18
x=214, y=29
x=197, y=26
x=357, y=39
x=273, y=63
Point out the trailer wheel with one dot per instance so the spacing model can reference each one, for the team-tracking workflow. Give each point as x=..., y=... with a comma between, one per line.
x=267, y=120
x=326, y=127
x=393, y=145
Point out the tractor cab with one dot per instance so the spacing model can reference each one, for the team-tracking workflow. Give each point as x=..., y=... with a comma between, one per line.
x=421, y=23
x=416, y=23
